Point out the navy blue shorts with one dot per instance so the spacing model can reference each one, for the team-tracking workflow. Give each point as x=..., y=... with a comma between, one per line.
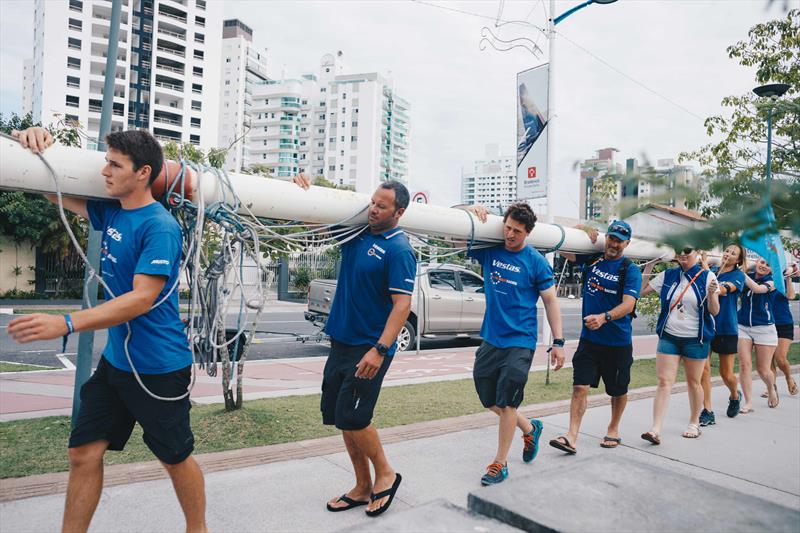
x=593, y=361
x=500, y=374
x=112, y=401
x=688, y=347
x=348, y=402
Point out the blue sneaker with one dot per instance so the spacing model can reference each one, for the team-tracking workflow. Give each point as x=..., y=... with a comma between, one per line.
x=495, y=473
x=734, y=405
x=707, y=418
x=531, y=439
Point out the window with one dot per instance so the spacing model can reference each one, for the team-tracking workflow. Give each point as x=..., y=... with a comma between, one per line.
x=322, y=103
x=344, y=96
x=355, y=110
x=341, y=153
x=341, y=167
x=342, y=138
x=197, y=88
x=73, y=101
x=201, y=4
x=354, y=138
x=72, y=81
x=322, y=116
x=197, y=105
x=200, y=21
x=332, y=167
x=73, y=43
x=442, y=280
x=304, y=115
x=227, y=82
x=323, y=89
x=470, y=282
x=332, y=140
x=227, y=59
x=76, y=5
x=75, y=24
x=304, y=102
x=321, y=130
x=355, y=123
x=198, y=54
x=343, y=123
x=320, y=144
x=73, y=62
x=199, y=38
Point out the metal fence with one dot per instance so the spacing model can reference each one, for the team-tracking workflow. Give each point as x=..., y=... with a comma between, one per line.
x=58, y=276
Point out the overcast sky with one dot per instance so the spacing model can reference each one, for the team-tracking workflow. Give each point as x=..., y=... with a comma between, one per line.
x=463, y=98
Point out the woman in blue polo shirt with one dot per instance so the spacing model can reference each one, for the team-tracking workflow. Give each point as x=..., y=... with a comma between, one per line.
x=689, y=300
x=726, y=336
x=784, y=326
x=757, y=328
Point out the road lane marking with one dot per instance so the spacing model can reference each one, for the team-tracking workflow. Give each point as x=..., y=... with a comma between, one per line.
x=64, y=361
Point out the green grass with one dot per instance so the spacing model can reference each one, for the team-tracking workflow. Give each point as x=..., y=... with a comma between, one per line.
x=17, y=367
x=39, y=445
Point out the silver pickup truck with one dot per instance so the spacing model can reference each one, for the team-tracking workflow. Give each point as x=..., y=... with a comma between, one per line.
x=448, y=301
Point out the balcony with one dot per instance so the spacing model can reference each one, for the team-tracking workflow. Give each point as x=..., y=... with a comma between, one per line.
x=175, y=34
x=176, y=70
x=179, y=53
x=173, y=15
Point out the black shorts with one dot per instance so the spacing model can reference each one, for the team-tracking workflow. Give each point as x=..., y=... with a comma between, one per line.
x=112, y=401
x=612, y=363
x=725, y=344
x=348, y=402
x=785, y=331
x=500, y=374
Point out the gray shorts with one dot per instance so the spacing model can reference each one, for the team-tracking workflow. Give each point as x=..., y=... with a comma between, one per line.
x=500, y=374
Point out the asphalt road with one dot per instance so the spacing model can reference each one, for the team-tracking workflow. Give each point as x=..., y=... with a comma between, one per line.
x=275, y=340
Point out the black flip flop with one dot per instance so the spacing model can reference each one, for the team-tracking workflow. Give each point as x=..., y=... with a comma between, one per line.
x=390, y=492
x=563, y=446
x=615, y=440
x=346, y=499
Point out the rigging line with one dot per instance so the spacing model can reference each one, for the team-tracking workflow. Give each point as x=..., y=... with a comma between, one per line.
x=479, y=15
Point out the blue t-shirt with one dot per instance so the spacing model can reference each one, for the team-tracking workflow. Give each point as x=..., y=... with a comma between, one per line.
x=513, y=281
x=146, y=240
x=756, y=309
x=601, y=294
x=727, y=322
x=373, y=268
x=781, y=310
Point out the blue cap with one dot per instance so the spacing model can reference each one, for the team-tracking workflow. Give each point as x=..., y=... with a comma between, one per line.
x=620, y=229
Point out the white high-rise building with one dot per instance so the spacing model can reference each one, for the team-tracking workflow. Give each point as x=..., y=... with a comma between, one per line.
x=167, y=69
x=352, y=129
x=492, y=181
x=27, y=86
x=243, y=66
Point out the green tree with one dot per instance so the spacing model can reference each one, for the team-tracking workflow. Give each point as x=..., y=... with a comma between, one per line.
x=734, y=164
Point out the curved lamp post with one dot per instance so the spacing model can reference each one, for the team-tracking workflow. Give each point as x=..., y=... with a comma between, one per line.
x=771, y=91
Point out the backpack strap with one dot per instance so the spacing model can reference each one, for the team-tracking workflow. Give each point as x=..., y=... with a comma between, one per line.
x=623, y=272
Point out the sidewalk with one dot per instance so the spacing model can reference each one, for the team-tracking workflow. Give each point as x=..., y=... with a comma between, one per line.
x=49, y=392
x=753, y=457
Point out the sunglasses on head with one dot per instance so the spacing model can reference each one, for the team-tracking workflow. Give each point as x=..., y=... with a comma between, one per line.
x=622, y=230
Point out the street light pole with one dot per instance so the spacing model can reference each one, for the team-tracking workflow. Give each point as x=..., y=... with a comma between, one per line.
x=771, y=91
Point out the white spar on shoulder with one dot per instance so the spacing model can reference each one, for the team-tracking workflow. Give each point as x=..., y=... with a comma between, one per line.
x=79, y=170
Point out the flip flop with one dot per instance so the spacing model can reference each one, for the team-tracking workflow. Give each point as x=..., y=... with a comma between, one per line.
x=390, y=492
x=777, y=398
x=346, y=499
x=692, y=432
x=792, y=387
x=746, y=410
x=652, y=437
x=615, y=440
x=564, y=446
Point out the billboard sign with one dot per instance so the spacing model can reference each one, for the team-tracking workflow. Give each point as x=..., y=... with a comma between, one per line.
x=532, y=118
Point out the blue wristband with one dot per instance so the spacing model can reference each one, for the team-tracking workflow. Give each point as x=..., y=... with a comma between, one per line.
x=70, y=326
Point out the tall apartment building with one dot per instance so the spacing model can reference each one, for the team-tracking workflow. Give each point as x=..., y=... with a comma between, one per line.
x=243, y=66
x=492, y=181
x=637, y=184
x=167, y=69
x=352, y=129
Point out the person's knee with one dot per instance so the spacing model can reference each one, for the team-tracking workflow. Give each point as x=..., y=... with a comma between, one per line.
x=580, y=391
x=180, y=466
x=88, y=455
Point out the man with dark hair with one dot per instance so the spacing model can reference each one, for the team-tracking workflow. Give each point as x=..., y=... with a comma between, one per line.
x=515, y=276
x=372, y=302
x=611, y=285
x=140, y=263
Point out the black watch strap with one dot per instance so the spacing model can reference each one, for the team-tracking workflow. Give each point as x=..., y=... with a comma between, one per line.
x=382, y=349
x=559, y=342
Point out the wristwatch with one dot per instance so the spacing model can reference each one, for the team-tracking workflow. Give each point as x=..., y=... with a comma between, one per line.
x=559, y=343
x=607, y=316
x=382, y=349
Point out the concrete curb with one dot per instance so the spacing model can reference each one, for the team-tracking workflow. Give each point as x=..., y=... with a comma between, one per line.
x=55, y=483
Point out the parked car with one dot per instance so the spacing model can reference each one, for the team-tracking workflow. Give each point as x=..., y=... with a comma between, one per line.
x=448, y=301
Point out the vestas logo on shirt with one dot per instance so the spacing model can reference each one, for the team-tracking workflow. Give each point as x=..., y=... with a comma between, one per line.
x=604, y=275
x=505, y=266
x=114, y=234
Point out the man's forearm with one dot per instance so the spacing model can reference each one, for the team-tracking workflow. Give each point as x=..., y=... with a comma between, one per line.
x=554, y=318
x=395, y=322
x=112, y=313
